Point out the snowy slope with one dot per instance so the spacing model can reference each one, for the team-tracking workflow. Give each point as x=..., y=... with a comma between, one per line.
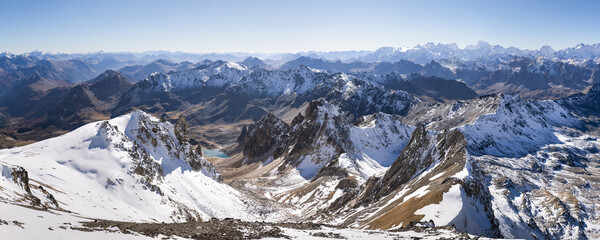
x=541, y=166
x=517, y=127
x=377, y=142
x=551, y=192
x=132, y=168
x=18, y=222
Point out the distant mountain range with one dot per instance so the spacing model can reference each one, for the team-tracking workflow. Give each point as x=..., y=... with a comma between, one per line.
x=419, y=54
x=544, y=73
x=230, y=91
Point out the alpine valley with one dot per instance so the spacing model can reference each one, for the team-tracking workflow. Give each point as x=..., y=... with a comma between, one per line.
x=433, y=141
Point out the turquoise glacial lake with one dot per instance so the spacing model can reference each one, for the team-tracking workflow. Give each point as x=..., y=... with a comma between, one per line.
x=211, y=153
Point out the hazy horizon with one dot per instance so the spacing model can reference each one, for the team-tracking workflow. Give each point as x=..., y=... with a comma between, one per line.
x=70, y=26
x=275, y=53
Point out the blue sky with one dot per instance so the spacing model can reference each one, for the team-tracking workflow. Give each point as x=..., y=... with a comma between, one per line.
x=289, y=26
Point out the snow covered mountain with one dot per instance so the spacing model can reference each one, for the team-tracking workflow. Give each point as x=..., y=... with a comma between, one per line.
x=516, y=151
x=482, y=50
x=140, y=72
x=536, y=76
x=131, y=168
x=495, y=166
x=227, y=90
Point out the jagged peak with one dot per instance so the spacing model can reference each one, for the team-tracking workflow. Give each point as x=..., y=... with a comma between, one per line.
x=160, y=145
x=110, y=72
x=374, y=119
x=132, y=120
x=509, y=97
x=252, y=58
x=35, y=76
x=480, y=45
x=163, y=61
x=297, y=120
x=141, y=115
x=220, y=65
x=235, y=66
x=492, y=96
x=253, y=62
x=547, y=48
x=260, y=137
x=306, y=69
x=318, y=109
x=154, y=76
x=268, y=121
x=108, y=75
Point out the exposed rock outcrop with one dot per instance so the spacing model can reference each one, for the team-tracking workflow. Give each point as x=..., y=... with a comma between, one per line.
x=259, y=138
x=180, y=129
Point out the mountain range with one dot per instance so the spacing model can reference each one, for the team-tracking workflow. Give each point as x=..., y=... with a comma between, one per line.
x=483, y=141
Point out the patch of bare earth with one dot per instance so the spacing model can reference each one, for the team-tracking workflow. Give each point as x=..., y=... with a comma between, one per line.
x=210, y=230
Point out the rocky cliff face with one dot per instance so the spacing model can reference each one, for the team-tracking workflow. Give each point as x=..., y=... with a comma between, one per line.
x=323, y=148
x=180, y=129
x=36, y=197
x=4, y=117
x=414, y=159
x=109, y=85
x=307, y=134
x=362, y=97
x=259, y=138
